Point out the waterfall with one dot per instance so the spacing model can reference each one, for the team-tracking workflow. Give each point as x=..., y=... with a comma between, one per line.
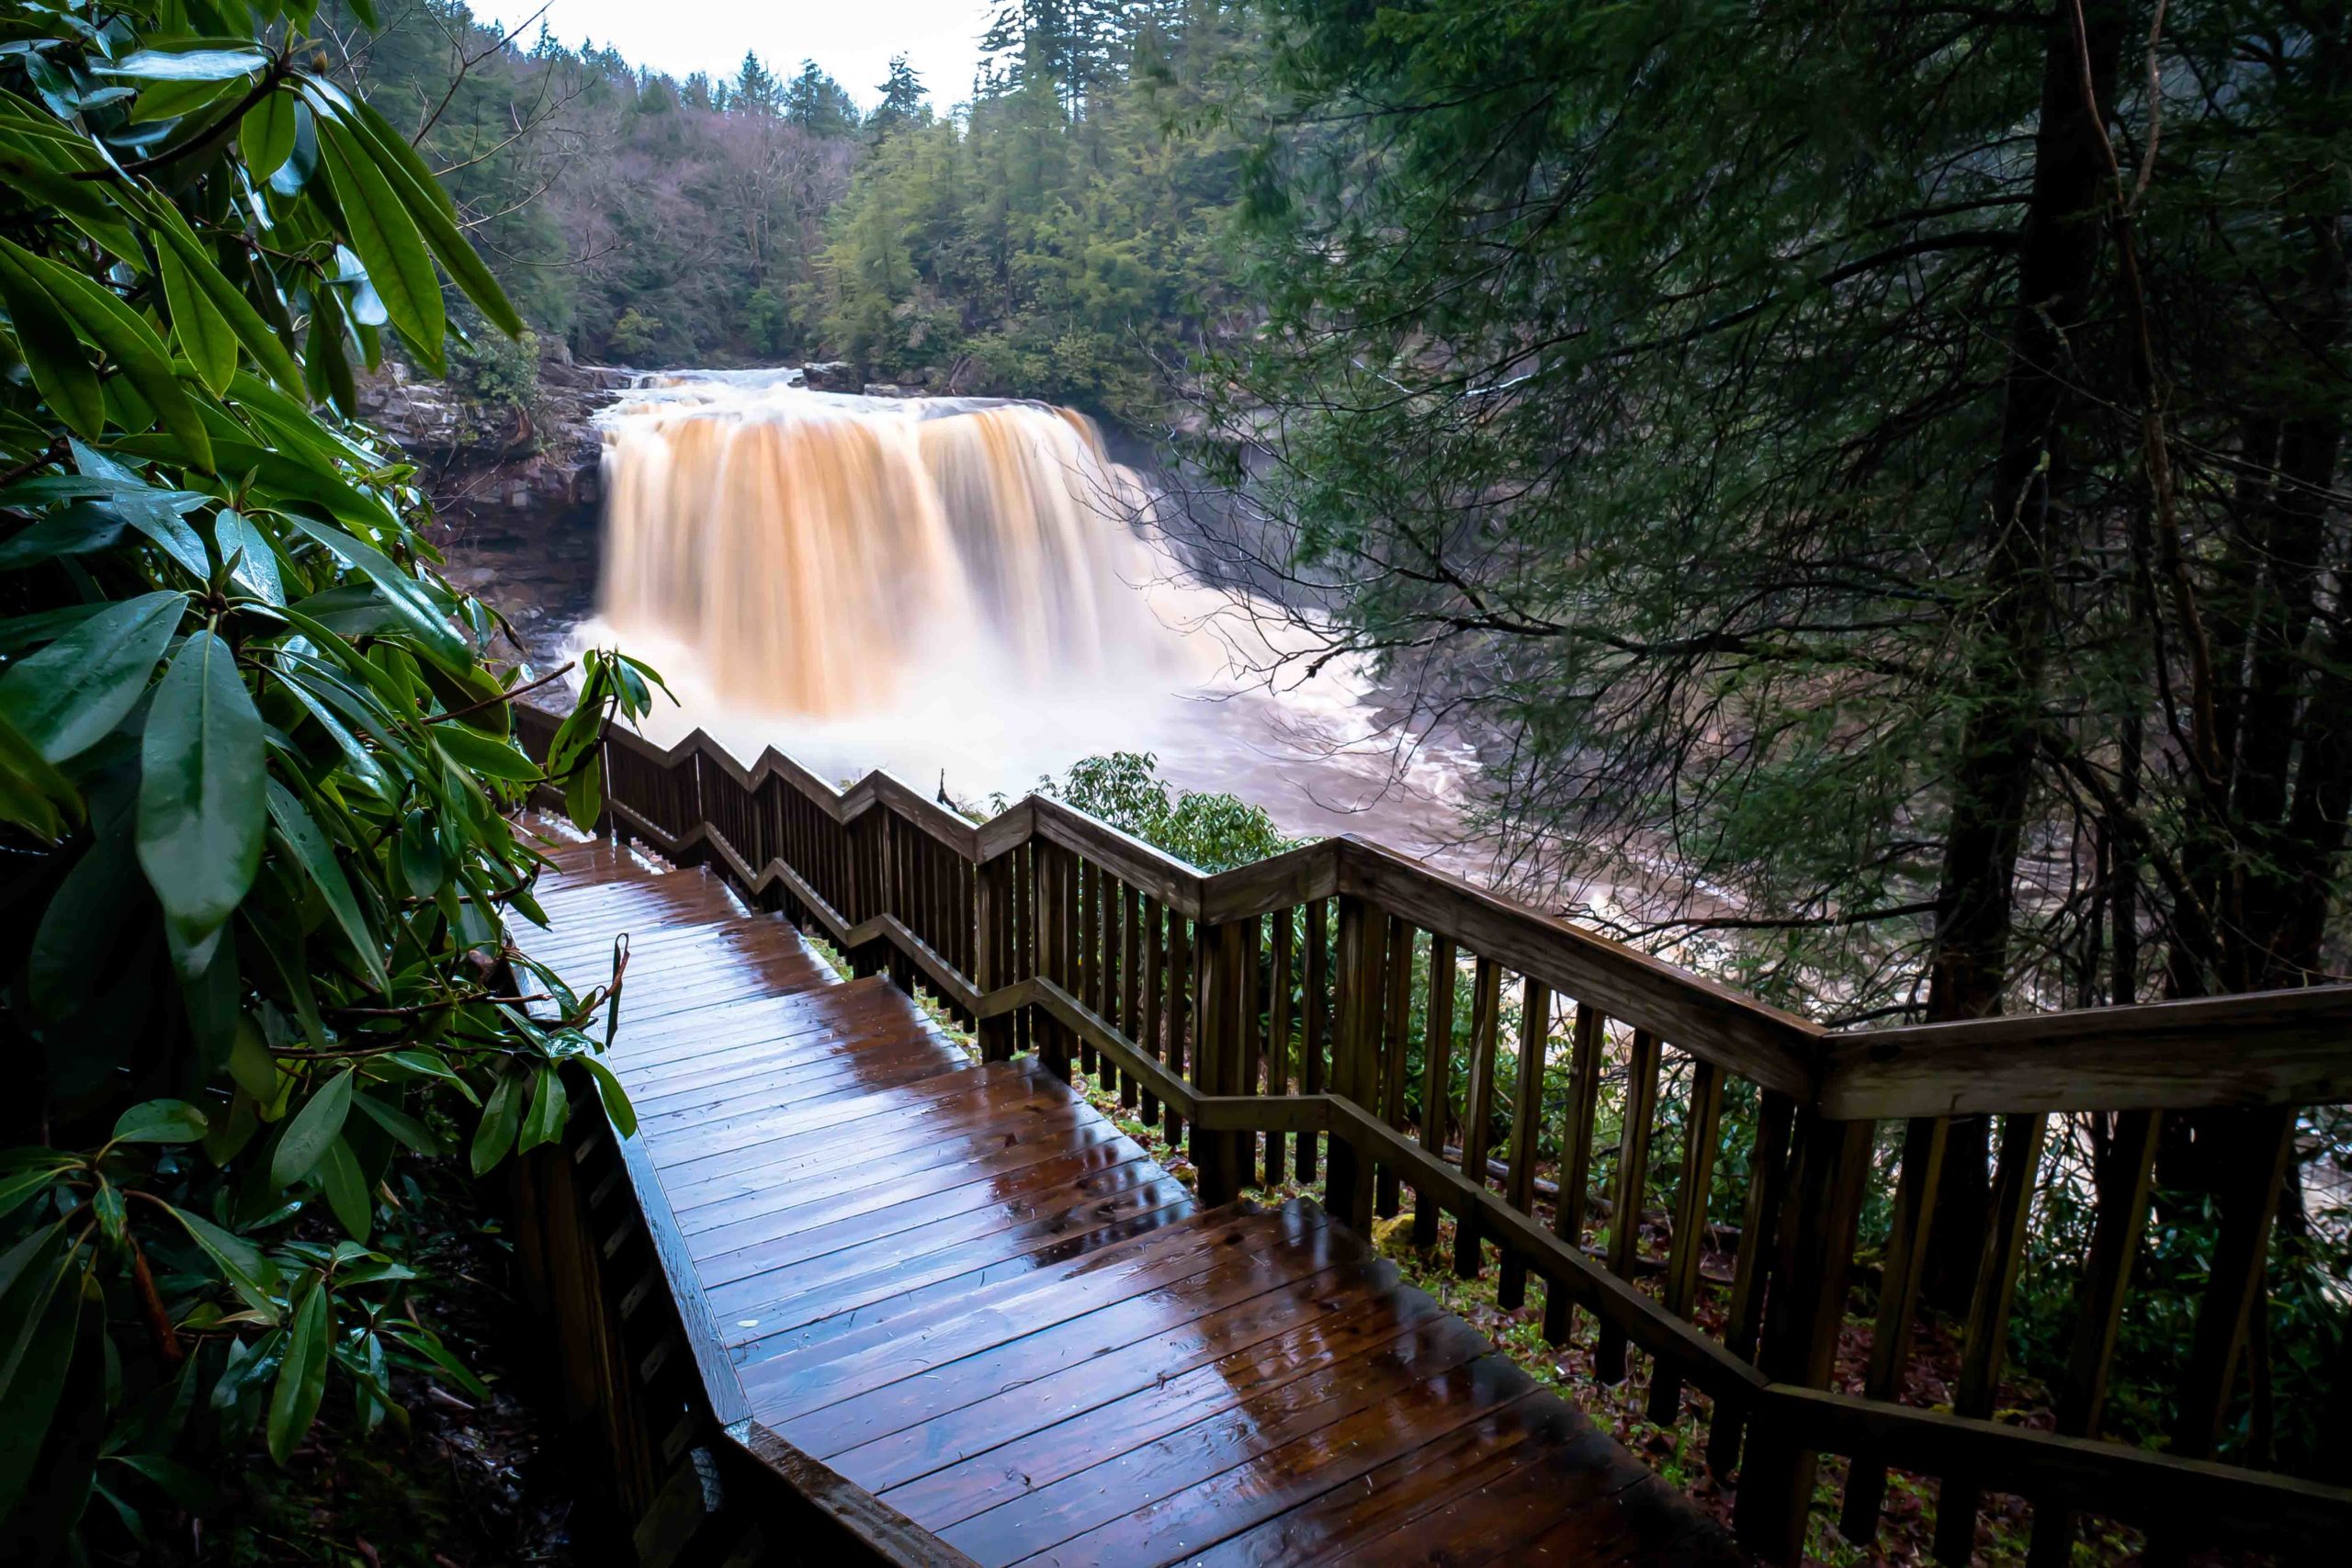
x=817, y=554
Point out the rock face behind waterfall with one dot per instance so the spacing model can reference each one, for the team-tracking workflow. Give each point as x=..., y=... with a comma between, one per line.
x=499, y=459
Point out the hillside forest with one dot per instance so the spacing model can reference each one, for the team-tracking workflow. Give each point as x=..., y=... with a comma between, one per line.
x=1052, y=228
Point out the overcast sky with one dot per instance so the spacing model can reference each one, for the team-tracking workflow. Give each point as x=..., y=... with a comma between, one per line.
x=853, y=39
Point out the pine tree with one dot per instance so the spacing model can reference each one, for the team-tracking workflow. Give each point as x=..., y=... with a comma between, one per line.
x=756, y=90
x=819, y=105
x=902, y=100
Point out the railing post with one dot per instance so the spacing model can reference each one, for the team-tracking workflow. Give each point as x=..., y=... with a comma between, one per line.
x=1807, y=1306
x=1054, y=903
x=1633, y=1185
x=1900, y=1278
x=992, y=892
x=1216, y=1053
x=1347, y=1184
x=1988, y=1320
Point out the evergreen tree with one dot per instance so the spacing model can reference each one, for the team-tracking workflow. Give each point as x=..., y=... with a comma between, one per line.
x=756, y=90
x=819, y=105
x=1887, y=471
x=902, y=100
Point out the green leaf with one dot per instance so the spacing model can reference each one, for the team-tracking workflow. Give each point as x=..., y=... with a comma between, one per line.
x=302, y=1375
x=429, y=204
x=252, y=1275
x=160, y=1122
x=421, y=862
x=478, y=753
x=254, y=562
x=200, y=330
x=225, y=297
x=495, y=1134
x=38, y=1321
x=383, y=232
x=429, y=1345
x=403, y=592
x=346, y=1190
x=399, y=1123
x=583, y=793
x=201, y=805
x=550, y=1107
x=431, y=1065
x=316, y=1125
x=608, y=1090
x=251, y=1063
x=189, y=65
x=316, y=854
x=265, y=135
x=33, y=794
x=127, y=340
x=60, y=367
x=66, y=698
x=21, y=1187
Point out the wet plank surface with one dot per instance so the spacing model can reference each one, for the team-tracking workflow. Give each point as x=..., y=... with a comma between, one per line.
x=965, y=1289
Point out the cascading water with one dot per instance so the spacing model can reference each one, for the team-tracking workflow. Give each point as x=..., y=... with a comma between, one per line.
x=819, y=554
x=959, y=587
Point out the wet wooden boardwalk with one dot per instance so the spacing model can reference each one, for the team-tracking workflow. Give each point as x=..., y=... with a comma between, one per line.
x=966, y=1291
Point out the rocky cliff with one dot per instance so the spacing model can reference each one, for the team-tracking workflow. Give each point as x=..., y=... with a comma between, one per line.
x=523, y=445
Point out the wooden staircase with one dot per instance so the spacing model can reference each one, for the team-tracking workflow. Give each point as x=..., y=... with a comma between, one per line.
x=992, y=1319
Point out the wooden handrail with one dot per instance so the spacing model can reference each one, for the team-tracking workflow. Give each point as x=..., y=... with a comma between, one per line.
x=1049, y=929
x=2267, y=1048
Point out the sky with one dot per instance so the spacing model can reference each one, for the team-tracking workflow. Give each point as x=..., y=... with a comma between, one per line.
x=851, y=39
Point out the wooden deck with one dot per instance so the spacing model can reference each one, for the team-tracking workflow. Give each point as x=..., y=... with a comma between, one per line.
x=965, y=1291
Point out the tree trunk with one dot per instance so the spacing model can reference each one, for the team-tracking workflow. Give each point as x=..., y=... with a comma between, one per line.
x=1995, y=760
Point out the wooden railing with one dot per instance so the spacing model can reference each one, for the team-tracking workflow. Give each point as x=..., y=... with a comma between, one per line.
x=1271, y=1015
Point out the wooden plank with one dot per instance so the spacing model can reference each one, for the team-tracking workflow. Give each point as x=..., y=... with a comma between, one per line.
x=1526, y=1128
x=1333, y=1299
x=1436, y=1062
x=1218, y=1055
x=1348, y=1435
x=1702, y=1127
x=720, y=1387
x=1250, y=1045
x=1803, y=1312
x=1987, y=1337
x=1280, y=1038
x=2122, y=1183
x=1576, y=1158
x=1314, y=1029
x=1395, y=1027
x=1155, y=983
x=1170, y=1402
x=1347, y=1185
x=2268, y=1049
x=1131, y=963
x=1901, y=1275
x=1086, y=978
x=2262, y=1142
x=1181, y=1020
x=1397, y=1508
x=1477, y=1105
x=901, y=1371
x=1398, y=1383
x=1633, y=1183
x=861, y=1520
